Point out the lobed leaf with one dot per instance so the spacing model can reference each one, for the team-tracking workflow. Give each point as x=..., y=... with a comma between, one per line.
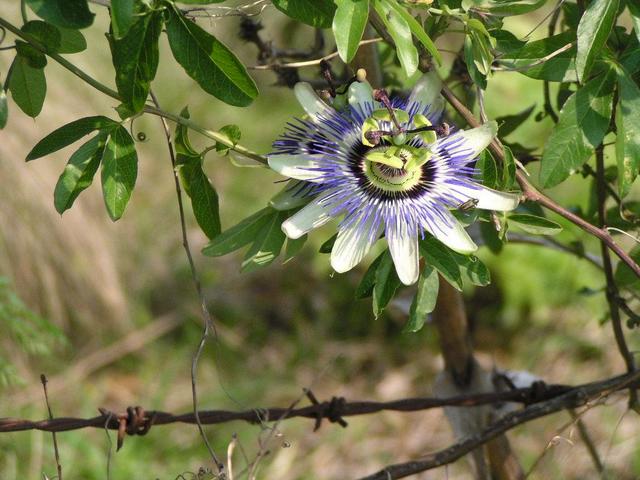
x=239, y=235
x=46, y=34
x=79, y=172
x=348, y=26
x=317, y=13
x=593, y=30
x=71, y=41
x=440, y=257
x=267, y=244
x=400, y=32
x=28, y=86
x=534, y=224
x=386, y=284
x=68, y=134
x=135, y=58
x=424, y=300
x=583, y=122
x=63, y=13
x=627, y=132
x=559, y=68
x=122, y=17
x=209, y=62
x=119, y=171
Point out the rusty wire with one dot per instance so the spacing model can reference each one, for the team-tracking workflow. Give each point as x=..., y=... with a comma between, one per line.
x=138, y=421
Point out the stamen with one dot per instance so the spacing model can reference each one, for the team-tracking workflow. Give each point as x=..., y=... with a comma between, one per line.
x=380, y=95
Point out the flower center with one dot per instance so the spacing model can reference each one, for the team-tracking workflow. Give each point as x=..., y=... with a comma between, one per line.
x=390, y=176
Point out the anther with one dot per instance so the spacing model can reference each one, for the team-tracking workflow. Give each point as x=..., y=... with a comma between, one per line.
x=380, y=95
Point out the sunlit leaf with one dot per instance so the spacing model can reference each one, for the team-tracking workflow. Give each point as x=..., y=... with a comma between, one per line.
x=584, y=119
x=209, y=62
x=119, y=171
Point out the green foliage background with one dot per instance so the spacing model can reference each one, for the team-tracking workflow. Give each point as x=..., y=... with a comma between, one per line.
x=279, y=329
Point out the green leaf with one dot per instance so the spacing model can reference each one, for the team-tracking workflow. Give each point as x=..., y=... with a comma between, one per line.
x=348, y=26
x=267, y=245
x=583, y=122
x=387, y=282
x=624, y=276
x=508, y=169
x=627, y=132
x=416, y=29
x=559, y=68
x=63, y=13
x=365, y=287
x=400, y=32
x=491, y=237
x=68, y=134
x=327, y=246
x=488, y=169
x=35, y=58
x=634, y=10
x=424, y=300
x=469, y=59
x=209, y=62
x=508, y=8
x=293, y=247
x=233, y=135
x=317, y=13
x=45, y=33
x=135, y=58
x=28, y=86
x=122, y=18
x=535, y=225
x=79, y=172
x=239, y=235
x=119, y=171
x=204, y=198
x=473, y=268
x=71, y=41
x=509, y=123
x=439, y=256
x=593, y=30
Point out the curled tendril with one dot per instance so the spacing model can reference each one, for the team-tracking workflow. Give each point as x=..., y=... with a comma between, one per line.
x=3, y=34
x=139, y=136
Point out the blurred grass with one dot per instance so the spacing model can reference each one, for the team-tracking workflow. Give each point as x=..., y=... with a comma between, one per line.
x=279, y=330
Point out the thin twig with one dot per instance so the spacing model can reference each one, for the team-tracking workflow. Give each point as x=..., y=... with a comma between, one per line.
x=540, y=61
x=555, y=245
x=206, y=315
x=612, y=290
x=532, y=194
x=588, y=442
x=572, y=399
x=43, y=380
x=310, y=63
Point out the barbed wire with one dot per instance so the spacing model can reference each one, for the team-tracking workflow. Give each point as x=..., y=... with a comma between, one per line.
x=138, y=421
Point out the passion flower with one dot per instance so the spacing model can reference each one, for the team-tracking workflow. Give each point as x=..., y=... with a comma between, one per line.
x=386, y=166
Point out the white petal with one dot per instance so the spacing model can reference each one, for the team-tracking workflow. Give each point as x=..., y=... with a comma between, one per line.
x=301, y=166
x=312, y=216
x=360, y=93
x=352, y=245
x=489, y=199
x=475, y=140
x=453, y=235
x=310, y=100
x=404, y=251
x=426, y=90
x=290, y=196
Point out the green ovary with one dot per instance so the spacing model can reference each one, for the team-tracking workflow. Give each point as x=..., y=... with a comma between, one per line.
x=388, y=178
